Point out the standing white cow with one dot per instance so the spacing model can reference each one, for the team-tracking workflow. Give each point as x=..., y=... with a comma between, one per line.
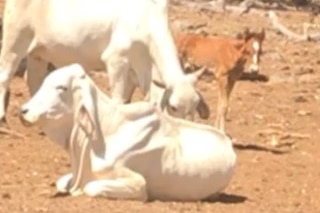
x=159, y=95
x=98, y=34
x=131, y=151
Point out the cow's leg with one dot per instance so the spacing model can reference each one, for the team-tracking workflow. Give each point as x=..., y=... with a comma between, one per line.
x=8, y=67
x=118, y=71
x=16, y=41
x=36, y=72
x=127, y=184
x=63, y=183
x=118, y=67
x=132, y=84
x=140, y=61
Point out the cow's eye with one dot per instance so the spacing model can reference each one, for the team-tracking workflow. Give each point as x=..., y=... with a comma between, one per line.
x=61, y=88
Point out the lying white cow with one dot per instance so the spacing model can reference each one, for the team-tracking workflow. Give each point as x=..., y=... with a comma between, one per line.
x=131, y=151
x=118, y=36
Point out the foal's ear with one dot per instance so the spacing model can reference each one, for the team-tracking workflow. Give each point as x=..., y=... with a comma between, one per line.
x=244, y=34
x=239, y=36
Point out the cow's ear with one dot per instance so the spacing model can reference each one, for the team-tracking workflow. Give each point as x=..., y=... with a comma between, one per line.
x=203, y=108
x=83, y=134
x=159, y=84
x=86, y=131
x=80, y=147
x=165, y=98
x=89, y=100
x=195, y=76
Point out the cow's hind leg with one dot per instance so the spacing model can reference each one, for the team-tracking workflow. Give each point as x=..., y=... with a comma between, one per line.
x=118, y=67
x=126, y=184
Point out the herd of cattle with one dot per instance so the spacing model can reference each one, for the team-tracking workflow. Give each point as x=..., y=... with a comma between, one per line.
x=141, y=150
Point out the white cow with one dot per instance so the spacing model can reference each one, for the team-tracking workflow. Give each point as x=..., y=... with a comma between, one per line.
x=131, y=151
x=159, y=95
x=117, y=36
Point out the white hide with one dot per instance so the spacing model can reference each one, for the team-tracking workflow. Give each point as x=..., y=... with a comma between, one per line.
x=131, y=151
x=98, y=34
x=180, y=108
x=254, y=67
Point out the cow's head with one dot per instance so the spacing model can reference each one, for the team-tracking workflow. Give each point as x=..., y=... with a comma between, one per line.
x=182, y=99
x=252, y=48
x=54, y=105
x=65, y=107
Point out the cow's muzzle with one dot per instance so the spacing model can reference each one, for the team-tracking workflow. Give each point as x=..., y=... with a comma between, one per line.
x=23, y=116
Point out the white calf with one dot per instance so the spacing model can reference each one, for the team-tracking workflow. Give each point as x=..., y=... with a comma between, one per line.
x=131, y=151
x=110, y=35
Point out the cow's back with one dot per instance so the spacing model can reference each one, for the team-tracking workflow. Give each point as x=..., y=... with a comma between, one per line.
x=81, y=30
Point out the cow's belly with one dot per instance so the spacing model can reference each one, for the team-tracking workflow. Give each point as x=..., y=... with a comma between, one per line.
x=59, y=55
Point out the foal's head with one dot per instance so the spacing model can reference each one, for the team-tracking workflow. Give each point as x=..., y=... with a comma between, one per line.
x=252, y=48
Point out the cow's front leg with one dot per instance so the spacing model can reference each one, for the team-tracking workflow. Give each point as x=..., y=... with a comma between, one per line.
x=7, y=71
x=64, y=183
x=119, y=77
x=125, y=184
x=16, y=41
x=36, y=72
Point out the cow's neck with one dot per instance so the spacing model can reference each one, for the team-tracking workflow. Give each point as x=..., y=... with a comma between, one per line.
x=164, y=53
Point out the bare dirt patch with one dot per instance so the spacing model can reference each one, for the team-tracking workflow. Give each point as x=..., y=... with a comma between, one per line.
x=275, y=125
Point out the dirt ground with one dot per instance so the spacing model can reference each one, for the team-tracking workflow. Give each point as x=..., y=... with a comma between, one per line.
x=275, y=126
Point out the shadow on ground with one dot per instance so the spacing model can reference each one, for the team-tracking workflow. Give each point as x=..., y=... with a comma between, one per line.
x=249, y=76
x=227, y=198
x=255, y=147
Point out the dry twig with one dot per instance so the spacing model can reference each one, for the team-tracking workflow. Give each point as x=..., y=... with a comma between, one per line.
x=276, y=24
x=11, y=132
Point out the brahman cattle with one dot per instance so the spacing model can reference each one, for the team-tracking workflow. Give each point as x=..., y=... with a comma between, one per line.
x=127, y=151
x=119, y=36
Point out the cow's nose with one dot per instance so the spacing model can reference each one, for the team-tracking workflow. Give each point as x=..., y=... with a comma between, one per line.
x=24, y=110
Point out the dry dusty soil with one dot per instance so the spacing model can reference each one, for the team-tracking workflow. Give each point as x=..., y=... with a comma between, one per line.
x=275, y=126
